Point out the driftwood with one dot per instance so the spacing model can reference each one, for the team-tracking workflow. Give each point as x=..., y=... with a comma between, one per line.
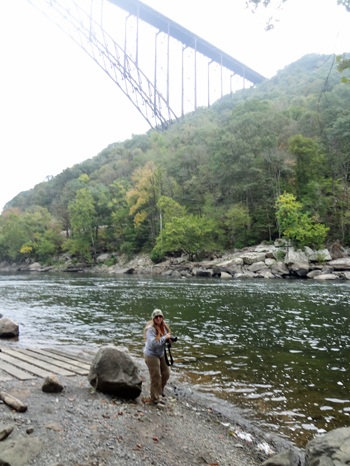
x=13, y=402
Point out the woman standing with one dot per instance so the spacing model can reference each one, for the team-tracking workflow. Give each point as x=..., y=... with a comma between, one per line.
x=156, y=335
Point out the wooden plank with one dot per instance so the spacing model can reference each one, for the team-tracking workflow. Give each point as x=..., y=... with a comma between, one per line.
x=4, y=377
x=70, y=356
x=14, y=371
x=79, y=364
x=47, y=368
x=54, y=362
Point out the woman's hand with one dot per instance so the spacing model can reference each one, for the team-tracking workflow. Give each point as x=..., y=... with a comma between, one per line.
x=167, y=336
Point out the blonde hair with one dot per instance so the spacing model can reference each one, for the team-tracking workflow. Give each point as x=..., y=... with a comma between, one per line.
x=164, y=328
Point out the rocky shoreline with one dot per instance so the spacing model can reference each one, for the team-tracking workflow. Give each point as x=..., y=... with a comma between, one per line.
x=278, y=260
x=83, y=427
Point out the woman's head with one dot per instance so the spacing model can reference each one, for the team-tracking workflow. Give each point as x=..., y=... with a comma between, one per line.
x=157, y=316
x=158, y=323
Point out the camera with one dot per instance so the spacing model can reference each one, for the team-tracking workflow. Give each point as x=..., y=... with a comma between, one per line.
x=173, y=339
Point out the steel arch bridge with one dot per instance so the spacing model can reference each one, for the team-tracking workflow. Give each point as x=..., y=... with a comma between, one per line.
x=147, y=87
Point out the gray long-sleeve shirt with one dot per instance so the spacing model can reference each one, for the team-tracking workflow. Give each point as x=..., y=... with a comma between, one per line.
x=153, y=347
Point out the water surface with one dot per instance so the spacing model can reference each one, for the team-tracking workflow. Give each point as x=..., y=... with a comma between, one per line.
x=278, y=347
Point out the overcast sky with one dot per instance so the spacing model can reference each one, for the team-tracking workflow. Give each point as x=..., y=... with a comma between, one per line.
x=58, y=108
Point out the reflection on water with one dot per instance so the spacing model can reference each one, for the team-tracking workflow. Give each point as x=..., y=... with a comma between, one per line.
x=278, y=347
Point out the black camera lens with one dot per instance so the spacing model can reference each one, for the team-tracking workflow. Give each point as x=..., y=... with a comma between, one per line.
x=173, y=339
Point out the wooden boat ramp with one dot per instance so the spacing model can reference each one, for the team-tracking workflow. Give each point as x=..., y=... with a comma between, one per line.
x=26, y=364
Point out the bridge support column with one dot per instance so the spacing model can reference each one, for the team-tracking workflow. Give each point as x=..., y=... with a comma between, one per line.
x=209, y=63
x=182, y=82
x=222, y=89
x=168, y=70
x=195, y=74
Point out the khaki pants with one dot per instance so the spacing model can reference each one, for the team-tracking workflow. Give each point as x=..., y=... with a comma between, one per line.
x=159, y=373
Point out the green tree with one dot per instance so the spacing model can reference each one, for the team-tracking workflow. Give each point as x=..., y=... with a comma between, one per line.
x=191, y=235
x=82, y=213
x=238, y=223
x=297, y=226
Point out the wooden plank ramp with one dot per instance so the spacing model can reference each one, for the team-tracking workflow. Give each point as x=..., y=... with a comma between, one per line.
x=30, y=363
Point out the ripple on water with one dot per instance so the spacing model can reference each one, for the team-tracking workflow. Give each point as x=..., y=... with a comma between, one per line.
x=268, y=346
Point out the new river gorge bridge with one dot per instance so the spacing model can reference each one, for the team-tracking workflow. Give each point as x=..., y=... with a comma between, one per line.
x=163, y=68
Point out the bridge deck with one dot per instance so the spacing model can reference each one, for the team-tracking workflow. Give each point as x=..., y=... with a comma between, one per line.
x=26, y=364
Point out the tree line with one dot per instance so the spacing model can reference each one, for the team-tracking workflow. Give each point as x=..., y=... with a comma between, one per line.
x=262, y=163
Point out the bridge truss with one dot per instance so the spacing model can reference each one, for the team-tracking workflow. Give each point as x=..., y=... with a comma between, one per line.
x=112, y=40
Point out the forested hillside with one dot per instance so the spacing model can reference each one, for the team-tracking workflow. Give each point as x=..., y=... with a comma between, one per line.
x=265, y=162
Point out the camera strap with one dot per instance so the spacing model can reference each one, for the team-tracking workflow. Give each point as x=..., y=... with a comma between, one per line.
x=170, y=356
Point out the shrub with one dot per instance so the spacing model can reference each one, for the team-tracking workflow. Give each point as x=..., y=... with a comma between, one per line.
x=157, y=256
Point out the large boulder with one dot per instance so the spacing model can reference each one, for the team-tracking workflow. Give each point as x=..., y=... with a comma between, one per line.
x=320, y=255
x=314, y=273
x=285, y=458
x=103, y=258
x=257, y=266
x=8, y=328
x=326, y=276
x=300, y=268
x=337, y=251
x=294, y=256
x=280, y=269
x=251, y=257
x=114, y=371
x=332, y=449
x=340, y=264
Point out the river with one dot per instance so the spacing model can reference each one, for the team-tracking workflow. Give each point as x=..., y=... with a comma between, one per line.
x=278, y=348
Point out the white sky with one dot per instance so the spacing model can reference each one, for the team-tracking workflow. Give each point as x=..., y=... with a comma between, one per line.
x=58, y=108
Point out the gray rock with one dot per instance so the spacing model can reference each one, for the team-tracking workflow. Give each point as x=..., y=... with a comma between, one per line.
x=314, y=273
x=8, y=328
x=270, y=261
x=225, y=275
x=346, y=275
x=332, y=449
x=234, y=269
x=340, y=264
x=294, y=256
x=326, y=276
x=52, y=385
x=300, y=268
x=266, y=274
x=251, y=257
x=5, y=430
x=236, y=261
x=167, y=273
x=103, y=258
x=257, y=266
x=18, y=452
x=337, y=251
x=280, y=269
x=317, y=255
x=285, y=458
x=114, y=371
x=176, y=273
x=34, y=267
x=249, y=274
x=327, y=269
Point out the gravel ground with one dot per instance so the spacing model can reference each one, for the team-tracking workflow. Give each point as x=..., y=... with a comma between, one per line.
x=79, y=427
